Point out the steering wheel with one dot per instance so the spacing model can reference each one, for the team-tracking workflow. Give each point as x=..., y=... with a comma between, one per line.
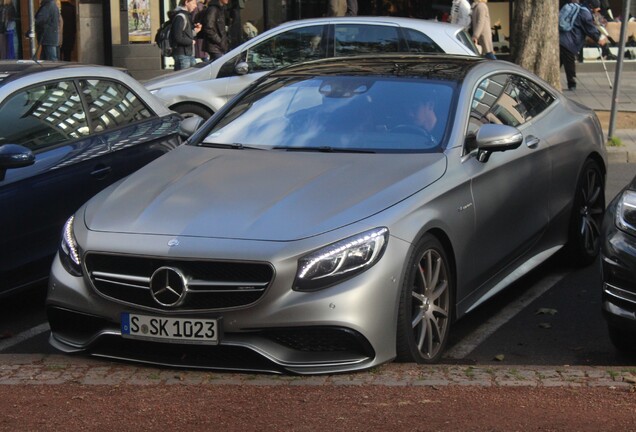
x=416, y=130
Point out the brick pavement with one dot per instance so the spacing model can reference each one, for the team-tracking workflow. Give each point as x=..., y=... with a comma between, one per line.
x=36, y=369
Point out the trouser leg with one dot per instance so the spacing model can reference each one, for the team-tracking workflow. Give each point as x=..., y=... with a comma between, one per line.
x=568, y=60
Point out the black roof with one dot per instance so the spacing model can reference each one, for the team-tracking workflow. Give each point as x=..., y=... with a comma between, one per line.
x=449, y=67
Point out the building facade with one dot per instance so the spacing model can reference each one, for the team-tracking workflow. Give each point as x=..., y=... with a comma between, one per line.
x=121, y=32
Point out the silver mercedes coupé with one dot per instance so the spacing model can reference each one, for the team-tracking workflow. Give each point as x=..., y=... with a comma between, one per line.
x=336, y=215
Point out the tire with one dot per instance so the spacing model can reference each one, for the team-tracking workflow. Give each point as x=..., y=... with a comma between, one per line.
x=189, y=110
x=623, y=341
x=424, y=315
x=587, y=215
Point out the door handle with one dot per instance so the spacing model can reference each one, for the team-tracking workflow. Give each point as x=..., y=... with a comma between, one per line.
x=532, y=141
x=101, y=171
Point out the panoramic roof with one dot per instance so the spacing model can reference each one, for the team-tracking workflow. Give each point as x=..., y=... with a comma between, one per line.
x=431, y=66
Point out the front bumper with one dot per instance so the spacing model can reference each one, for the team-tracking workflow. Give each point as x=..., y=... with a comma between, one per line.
x=618, y=266
x=347, y=327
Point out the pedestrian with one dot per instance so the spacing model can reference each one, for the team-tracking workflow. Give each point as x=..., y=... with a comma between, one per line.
x=337, y=8
x=482, y=34
x=235, y=32
x=197, y=18
x=182, y=35
x=352, y=8
x=572, y=38
x=47, y=29
x=461, y=13
x=215, y=39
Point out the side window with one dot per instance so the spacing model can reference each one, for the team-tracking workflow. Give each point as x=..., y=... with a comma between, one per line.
x=288, y=48
x=353, y=39
x=417, y=42
x=111, y=104
x=43, y=116
x=507, y=99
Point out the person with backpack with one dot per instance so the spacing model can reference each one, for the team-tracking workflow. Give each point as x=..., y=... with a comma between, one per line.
x=182, y=34
x=575, y=24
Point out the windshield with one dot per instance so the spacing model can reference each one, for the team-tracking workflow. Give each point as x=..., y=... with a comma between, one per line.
x=339, y=113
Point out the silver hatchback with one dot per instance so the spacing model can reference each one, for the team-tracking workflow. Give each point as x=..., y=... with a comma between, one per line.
x=206, y=88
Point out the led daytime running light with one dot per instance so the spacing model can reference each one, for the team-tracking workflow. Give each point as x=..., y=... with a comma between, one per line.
x=69, y=239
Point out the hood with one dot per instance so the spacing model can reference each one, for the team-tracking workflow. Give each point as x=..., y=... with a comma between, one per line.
x=258, y=194
x=196, y=73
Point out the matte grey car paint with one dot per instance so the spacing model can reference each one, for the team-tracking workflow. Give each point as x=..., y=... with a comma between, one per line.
x=498, y=220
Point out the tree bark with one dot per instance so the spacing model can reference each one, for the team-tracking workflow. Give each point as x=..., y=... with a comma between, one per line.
x=534, y=38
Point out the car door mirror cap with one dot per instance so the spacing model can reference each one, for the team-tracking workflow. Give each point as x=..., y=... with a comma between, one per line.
x=497, y=137
x=15, y=156
x=189, y=126
x=242, y=68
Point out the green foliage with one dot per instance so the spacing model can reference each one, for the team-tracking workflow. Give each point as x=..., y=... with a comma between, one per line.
x=615, y=142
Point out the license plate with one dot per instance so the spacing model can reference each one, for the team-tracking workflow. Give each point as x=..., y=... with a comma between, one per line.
x=177, y=330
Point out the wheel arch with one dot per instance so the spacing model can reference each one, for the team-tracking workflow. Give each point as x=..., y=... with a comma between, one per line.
x=204, y=107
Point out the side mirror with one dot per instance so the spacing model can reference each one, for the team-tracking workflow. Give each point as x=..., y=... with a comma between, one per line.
x=189, y=126
x=496, y=138
x=15, y=156
x=242, y=68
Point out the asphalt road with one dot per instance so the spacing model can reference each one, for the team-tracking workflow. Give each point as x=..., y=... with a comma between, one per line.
x=550, y=317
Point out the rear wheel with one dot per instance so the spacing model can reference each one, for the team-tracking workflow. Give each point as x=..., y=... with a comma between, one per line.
x=425, y=304
x=587, y=214
x=189, y=110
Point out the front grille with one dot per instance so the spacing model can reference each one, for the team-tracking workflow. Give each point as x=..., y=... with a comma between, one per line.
x=211, y=284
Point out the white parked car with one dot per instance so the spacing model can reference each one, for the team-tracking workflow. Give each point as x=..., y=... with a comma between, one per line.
x=204, y=89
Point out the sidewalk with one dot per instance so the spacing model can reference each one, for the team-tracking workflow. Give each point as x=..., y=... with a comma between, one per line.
x=593, y=90
x=40, y=369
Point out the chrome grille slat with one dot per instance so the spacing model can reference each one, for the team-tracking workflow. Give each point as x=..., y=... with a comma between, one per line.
x=211, y=284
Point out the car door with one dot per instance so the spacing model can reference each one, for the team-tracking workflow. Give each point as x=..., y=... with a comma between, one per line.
x=50, y=120
x=511, y=189
x=293, y=46
x=134, y=134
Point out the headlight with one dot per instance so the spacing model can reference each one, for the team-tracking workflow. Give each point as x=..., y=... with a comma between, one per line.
x=626, y=212
x=69, y=250
x=341, y=260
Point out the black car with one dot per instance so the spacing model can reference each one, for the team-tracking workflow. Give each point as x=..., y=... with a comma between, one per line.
x=66, y=132
x=618, y=258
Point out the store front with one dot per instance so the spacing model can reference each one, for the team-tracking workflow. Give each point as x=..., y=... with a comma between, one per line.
x=121, y=32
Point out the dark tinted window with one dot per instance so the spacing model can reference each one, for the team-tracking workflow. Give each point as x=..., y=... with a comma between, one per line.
x=352, y=39
x=43, y=116
x=288, y=48
x=111, y=104
x=417, y=42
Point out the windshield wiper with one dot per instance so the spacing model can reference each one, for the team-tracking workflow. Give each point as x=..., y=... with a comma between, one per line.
x=236, y=146
x=323, y=149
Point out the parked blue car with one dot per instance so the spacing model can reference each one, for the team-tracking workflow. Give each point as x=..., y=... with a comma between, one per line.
x=66, y=132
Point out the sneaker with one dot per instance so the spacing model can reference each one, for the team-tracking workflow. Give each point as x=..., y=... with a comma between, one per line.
x=610, y=56
x=572, y=88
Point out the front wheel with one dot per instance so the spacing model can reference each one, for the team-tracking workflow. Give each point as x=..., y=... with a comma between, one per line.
x=189, y=110
x=424, y=316
x=587, y=214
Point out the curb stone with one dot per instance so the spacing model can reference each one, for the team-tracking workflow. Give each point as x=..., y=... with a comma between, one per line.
x=35, y=369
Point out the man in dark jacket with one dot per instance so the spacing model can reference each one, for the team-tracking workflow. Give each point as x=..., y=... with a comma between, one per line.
x=47, y=29
x=182, y=35
x=215, y=40
x=572, y=41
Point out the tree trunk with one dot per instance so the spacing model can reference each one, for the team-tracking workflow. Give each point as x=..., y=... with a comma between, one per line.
x=534, y=38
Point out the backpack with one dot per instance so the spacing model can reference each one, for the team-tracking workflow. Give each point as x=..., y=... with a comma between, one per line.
x=567, y=16
x=162, y=39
